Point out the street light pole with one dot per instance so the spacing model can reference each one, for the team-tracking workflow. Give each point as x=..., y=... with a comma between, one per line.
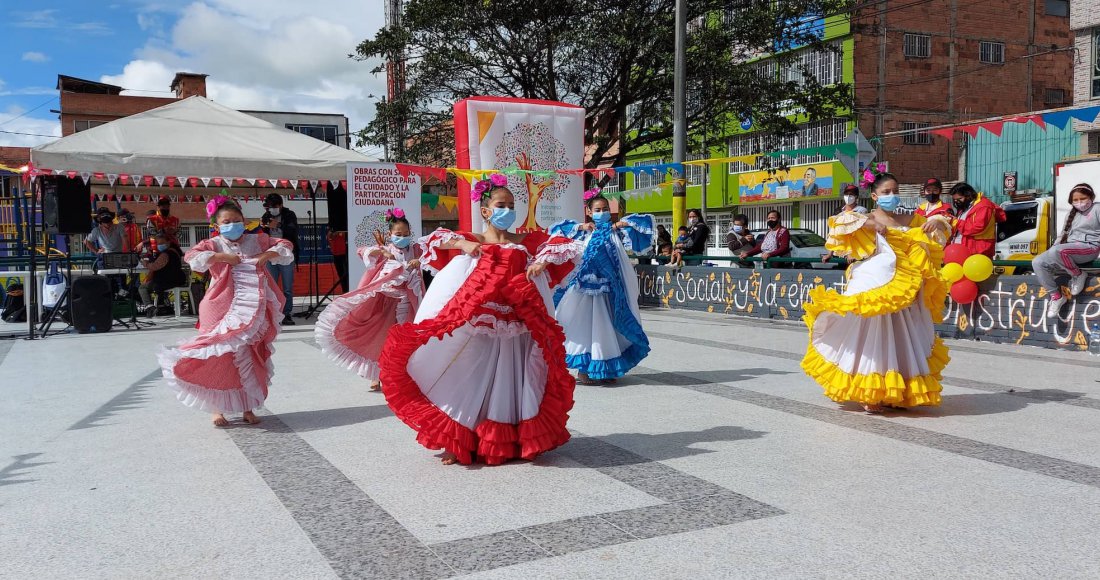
x=679, y=125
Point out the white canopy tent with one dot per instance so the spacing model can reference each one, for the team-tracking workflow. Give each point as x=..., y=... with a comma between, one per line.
x=196, y=137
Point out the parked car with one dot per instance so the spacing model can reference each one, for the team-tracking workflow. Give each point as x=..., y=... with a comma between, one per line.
x=804, y=244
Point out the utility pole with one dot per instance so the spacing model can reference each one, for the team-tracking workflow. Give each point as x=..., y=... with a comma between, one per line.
x=395, y=83
x=679, y=125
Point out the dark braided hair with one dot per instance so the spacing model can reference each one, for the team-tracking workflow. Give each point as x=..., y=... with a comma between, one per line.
x=588, y=202
x=882, y=178
x=1085, y=189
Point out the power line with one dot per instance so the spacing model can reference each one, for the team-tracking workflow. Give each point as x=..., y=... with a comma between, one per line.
x=25, y=113
x=29, y=134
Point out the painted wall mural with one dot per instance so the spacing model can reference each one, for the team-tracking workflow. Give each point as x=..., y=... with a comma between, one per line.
x=1010, y=309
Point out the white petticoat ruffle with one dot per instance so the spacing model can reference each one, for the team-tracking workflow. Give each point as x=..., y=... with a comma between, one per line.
x=244, y=311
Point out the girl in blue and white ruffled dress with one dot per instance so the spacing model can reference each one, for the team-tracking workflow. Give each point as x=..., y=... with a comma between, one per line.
x=598, y=308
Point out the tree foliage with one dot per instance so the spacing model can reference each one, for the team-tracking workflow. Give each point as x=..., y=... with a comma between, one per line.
x=615, y=58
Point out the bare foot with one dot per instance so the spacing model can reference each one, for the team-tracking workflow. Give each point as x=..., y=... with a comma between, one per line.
x=250, y=418
x=375, y=386
x=220, y=420
x=449, y=458
x=872, y=408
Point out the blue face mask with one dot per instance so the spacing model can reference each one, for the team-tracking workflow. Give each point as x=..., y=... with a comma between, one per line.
x=738, y=229
x=162, y=247
x=503, y=218
x=888, y=202
x=401, y=241
x=601, y=217
x=232, y=231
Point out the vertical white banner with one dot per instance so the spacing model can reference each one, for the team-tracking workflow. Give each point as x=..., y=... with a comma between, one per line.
x=538, y=137
x=372, y=189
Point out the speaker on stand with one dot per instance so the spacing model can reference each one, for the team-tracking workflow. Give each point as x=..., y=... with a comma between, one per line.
x=66, y=206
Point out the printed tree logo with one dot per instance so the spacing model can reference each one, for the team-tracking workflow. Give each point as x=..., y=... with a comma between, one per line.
x=532, y=147
x=373, y=223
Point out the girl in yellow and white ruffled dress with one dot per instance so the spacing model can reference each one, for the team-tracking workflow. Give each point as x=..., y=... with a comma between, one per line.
x=875, y=343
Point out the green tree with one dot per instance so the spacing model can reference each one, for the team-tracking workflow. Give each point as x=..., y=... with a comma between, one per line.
x=612, y=57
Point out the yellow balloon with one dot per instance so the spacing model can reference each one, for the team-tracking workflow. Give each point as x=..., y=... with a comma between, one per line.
x=978, y=267
x=952, y=272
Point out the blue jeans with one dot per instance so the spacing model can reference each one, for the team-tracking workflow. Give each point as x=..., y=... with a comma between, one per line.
x=284, y=276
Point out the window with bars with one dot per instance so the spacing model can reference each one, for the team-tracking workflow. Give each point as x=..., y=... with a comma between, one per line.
x=829, y=132
x=917, y=137
x=642, y=116
x=648, y=178
x=696, y=173
x=1096, y=64
x=742, y=145
x=84, y=125
x=825, y=65
x=1054, y=96
x=917, y=45
x=616, y=184
x=719, y=225
x=991, y=52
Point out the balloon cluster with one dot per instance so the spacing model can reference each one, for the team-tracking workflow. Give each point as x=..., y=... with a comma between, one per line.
x=963, y=271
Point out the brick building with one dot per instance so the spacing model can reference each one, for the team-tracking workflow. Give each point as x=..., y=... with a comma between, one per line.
x=949, y=61
x=1085, y=24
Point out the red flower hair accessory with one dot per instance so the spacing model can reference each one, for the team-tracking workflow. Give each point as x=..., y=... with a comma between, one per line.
x=483, y=187
x=589, y=194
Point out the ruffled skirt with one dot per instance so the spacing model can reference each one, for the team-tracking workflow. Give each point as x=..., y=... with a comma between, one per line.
x=481, y=372
x=353, y=329
x=876, y=342
x=593, y=345
x=227, y=368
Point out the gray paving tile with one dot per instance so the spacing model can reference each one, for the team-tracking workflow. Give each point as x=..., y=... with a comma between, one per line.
x=631, y=473
x=489, y=552
x=416, y=564
x=658, y=520
x=1022, y=460
x=576, y=535
x=676, y=487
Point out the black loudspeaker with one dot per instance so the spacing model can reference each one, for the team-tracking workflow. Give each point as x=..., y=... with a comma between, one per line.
x=92, y=302
x=66, y=205
x=337, y=209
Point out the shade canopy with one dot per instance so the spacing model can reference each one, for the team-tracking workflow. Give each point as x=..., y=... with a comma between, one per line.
x=196, y=137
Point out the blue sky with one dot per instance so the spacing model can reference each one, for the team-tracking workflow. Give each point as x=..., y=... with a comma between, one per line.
x=260, y=54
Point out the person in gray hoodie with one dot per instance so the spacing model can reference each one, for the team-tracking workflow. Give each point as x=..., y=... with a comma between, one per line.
x=1079, y=245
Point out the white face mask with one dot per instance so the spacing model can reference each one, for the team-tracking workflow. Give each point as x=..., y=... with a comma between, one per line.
x=692, y=221
x=850, y=199
x=1082, y=206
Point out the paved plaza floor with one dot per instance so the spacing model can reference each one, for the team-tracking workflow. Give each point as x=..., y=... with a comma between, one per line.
x=717, y=459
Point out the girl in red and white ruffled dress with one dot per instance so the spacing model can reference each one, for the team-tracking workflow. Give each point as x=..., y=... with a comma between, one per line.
x=481, y=372
x=227, y=367
x=352, y=330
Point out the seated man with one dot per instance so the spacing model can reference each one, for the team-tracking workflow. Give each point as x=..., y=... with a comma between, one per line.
x=165, y=272
x=776, y=242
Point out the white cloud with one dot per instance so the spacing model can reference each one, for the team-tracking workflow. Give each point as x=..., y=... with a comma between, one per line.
x=263, y=54
x=33, y=56
x=18, y=131
x=50, y=19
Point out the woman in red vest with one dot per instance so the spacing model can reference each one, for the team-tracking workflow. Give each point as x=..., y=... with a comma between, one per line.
x=976, y=224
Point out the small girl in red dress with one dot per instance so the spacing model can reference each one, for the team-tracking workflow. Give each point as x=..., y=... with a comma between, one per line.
x=352, y=330
x=227, y=368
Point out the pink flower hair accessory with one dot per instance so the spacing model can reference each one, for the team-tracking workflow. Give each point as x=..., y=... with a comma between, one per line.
x=483, y=187
x=395, y=213
x=213, y=205
x=590, y=193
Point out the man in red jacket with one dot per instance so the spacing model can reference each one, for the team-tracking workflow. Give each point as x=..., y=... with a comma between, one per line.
x=932, y=205
x=976, y=225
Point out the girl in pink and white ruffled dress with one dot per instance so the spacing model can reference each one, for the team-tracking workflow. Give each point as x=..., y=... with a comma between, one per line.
x=352, y=330
x=227, y=367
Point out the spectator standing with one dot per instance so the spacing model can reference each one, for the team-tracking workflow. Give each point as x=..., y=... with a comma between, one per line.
x=130, y=230
x=284, y=225
x=933, y=204
x=338, y=245
x=164, y=221
x=697, y=234
x=107, y=237
x=739, y=238
x=976, y=225
x=851, y=203
x=776, y=243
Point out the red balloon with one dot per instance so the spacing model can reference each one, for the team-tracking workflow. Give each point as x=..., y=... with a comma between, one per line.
x=955, y=254
x=964, y=291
